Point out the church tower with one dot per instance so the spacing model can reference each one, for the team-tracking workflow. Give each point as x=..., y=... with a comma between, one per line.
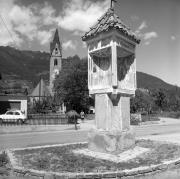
x=55, y=59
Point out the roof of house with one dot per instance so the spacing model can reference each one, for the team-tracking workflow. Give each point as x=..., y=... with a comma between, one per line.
x=109, y=21
x=40, y=90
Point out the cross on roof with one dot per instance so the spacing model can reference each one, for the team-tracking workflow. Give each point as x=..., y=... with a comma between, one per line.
x=112, y=4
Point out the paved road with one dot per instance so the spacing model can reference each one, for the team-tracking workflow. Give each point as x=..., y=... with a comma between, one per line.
x=43, y=138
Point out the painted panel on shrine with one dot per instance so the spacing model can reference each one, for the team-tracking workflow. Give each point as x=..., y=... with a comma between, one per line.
x=101, y=72
x=126, y=69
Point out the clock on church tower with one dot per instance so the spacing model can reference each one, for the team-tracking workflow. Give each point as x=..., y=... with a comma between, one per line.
x=55, y=59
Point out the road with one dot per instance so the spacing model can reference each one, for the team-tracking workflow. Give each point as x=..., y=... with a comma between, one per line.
x=67, y=136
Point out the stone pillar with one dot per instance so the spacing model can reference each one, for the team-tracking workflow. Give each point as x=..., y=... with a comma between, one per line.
x=112, y=132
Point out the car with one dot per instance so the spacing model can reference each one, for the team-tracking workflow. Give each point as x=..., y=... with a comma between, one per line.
x=13, y=116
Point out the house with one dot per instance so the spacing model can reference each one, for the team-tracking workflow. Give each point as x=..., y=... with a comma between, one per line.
x=10, y=101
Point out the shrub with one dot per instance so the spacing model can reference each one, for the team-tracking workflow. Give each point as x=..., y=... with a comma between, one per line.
x=135, y=119
x=3, y=158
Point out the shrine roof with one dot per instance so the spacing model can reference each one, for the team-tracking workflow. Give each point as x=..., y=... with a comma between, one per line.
x=107, y=22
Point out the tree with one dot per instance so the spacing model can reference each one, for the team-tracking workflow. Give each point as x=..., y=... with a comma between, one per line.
x=71, y=85
x=160, y=98
x=142, y=101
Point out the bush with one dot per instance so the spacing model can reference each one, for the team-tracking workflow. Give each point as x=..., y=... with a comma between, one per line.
x=3, y=159
x=135, y=119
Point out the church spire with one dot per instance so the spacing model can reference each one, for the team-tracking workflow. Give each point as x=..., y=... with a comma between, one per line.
x=55, y=41
x=56, y=37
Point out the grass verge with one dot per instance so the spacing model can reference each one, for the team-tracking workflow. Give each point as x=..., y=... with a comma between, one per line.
x=62, y=159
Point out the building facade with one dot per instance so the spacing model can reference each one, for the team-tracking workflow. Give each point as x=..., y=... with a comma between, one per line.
x=11, y=102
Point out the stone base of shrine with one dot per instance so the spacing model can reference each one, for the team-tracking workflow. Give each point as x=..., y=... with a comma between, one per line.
x=113, y=142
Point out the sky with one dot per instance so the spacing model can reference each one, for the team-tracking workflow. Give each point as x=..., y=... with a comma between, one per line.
x=30, y=25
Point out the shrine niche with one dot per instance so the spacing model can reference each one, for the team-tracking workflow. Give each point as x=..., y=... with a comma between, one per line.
x=101, y=72
x=111, y=81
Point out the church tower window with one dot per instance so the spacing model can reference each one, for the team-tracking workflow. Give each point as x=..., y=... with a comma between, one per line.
x=55, y=62
x=56, y=51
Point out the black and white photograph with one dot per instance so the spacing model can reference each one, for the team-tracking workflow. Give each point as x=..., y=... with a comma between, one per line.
x=89, y=89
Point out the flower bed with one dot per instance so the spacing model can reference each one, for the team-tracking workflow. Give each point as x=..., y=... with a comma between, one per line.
x=61, y=159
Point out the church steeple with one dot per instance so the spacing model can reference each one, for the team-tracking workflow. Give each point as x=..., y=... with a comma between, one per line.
x=55, y=59
x=56, y=42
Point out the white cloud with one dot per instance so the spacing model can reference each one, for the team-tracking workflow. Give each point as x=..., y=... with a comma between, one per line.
x=150, y=35
x=142, y=26
x=147, y=42
x=29, y=23
x=26, y=22
x=173, y=37
x=69, y=45
x=44, y=36
x=146, y=36
x=80, y=15
x=48, y=14
x=7, y=34
x=84, y=45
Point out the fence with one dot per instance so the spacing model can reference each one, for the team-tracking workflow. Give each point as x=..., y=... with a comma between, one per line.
x=46, y=119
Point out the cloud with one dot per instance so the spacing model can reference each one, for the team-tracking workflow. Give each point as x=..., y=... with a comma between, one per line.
x=173, y=37
x=80, y=15
x=84, y=45
x=7, y=35
x=26, y=23
x=150, y=35
x=69, y=45
x=147, y=42
x=47, y=14
x=44, y=36
x=32, y=22
x=142, y=26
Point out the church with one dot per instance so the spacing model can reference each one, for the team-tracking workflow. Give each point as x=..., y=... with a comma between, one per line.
x=42, y=91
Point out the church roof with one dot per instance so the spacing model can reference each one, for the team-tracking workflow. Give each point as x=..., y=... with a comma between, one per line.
x=55, y=41
x=40, y=90
x=107, y=22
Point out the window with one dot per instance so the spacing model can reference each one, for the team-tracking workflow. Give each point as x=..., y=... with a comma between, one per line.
x=56, y=50
x=55, y=62
x=16, y=113
x=9, y=113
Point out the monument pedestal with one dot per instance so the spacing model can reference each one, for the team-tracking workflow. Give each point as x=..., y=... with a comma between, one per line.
x=112, y=133
x=110, y=142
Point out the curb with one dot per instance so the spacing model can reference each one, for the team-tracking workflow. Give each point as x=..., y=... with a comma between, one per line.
x=140, y=171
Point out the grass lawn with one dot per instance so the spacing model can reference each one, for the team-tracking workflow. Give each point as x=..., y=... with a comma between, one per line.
x=62, y=159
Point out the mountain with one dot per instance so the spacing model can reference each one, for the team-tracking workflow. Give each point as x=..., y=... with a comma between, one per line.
x=23, y=65
x=147, y=81
x=26, y=67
